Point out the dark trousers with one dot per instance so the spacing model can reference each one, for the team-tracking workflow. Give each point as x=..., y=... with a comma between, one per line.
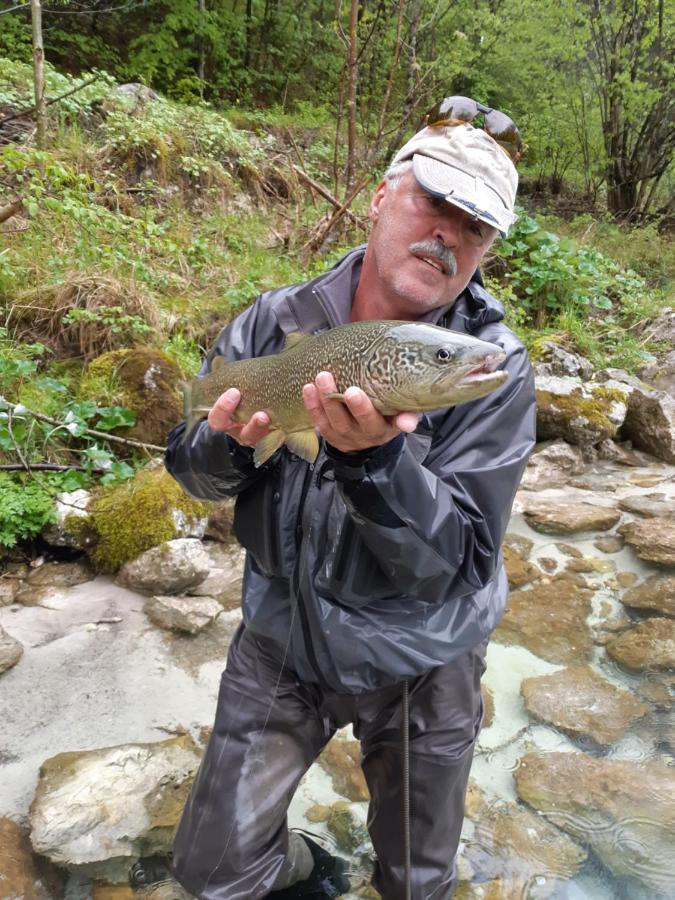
x=232, y=839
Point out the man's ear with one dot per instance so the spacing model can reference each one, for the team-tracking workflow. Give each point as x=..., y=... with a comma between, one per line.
x=376, y=200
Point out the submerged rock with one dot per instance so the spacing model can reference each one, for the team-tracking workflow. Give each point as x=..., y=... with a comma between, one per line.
x=652, y=539
x=656, y=594
x=24, y=876
x=570, y=518
x=581, y=703
x=650, y=646
x=103, y=809
x=623, y=810
x=649, y=505
x=342, y=760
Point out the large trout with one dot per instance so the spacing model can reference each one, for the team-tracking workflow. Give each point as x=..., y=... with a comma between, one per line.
x=401, y=366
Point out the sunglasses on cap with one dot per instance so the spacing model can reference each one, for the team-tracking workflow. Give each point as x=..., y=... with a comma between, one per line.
x=460, y=110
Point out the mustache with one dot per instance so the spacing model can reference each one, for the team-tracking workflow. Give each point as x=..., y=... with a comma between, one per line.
x=438, y=250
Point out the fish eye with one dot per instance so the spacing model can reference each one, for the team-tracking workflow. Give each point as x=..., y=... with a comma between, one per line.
x=443, y=355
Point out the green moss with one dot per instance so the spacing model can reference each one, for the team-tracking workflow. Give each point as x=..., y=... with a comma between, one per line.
x=575, y=405
x=130, y=518
x=611, y=395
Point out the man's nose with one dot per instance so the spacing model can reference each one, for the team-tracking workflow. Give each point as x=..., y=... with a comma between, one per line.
x=448, y=229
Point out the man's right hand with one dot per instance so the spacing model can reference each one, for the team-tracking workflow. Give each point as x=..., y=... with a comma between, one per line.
x=220, y=418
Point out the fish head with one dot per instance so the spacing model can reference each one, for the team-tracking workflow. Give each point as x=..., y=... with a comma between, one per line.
x=416, y=366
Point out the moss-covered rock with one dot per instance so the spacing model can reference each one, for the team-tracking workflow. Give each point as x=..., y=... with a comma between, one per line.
x=128, y=519
x=143, y=380
x=581, y=414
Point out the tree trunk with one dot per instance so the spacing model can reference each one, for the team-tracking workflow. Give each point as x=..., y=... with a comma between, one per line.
x=352, y=80
x=39, y=73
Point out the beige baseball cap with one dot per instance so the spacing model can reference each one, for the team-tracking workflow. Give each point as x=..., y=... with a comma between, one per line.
x=467, y=167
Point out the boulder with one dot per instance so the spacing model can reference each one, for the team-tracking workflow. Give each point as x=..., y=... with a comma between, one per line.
x=581, y=414
x=652, y=539
x=100, y=810
x=624, y=810
x=552, y=464
x=226, y=574
x=570, y=518
x=342, y=760
x=650, y=422
x=660, y=375
x=171, y=568
x=550, y=620
x=650, y=646
x=582, y=704
x=183, y=614
x=24, y=876
x=655, y=505
x=656, y=594
x=11, y=651
x=555, y=360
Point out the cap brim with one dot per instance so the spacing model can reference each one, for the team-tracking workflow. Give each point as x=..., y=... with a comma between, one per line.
x=468, y=193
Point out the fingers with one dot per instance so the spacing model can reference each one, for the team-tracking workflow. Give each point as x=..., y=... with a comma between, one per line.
x=220, y=415
x=221, y=418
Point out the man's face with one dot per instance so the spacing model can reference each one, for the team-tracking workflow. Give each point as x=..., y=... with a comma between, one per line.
x=422, y=250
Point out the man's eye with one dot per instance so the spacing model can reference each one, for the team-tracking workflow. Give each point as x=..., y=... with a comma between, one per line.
x=435, y=202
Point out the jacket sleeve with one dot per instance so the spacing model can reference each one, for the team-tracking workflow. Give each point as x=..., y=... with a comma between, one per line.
x=207, y=464
x=435, y=527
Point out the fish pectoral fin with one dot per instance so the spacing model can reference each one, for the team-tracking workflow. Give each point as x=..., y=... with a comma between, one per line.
x=304, y=444
x=295, y=338
x=267, y=447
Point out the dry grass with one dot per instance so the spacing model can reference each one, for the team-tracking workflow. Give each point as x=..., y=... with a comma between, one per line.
x=108, y=314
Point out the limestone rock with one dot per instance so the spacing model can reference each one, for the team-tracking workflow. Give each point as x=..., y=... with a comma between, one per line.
x=489, y=706
x=570, y=518
x=649, y=505
x=518, y=570
x=578, y=702
x=650, y=422
x=569, y=550
x=660, y=375
x=623, y=809
x=68, y=503
x=171, y=568
x=581, y=414
x=183, y=614
x=342, y=760
x=50, y=577
x=512, y=844
x=656, y=594
x=648, y=646
x=11, y=651
x=9, y=587
x=552, y=464
x=550, y=620
x=555, y=360
x=103, y=809
x=23, y=876
x=652, y=539
x=225, y=577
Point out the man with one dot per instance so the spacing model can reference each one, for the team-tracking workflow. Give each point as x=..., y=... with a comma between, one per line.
x=377, y=567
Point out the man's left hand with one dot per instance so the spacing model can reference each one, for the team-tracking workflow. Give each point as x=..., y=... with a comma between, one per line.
x=355, y=424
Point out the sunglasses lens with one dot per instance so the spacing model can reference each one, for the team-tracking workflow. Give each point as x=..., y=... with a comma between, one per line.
x=504, y=131
x=462, y=109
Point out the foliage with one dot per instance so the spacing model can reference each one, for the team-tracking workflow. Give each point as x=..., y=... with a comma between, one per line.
x=25, y=508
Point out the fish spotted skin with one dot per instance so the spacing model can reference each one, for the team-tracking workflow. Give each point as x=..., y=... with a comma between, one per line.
x=402, y=366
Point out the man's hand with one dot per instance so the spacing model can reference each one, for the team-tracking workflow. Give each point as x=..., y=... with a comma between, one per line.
x=355, y=424
x=220, y=419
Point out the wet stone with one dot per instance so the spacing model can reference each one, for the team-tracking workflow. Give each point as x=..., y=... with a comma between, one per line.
x=317, y=813
x=626, y=579
x=570, y=518
x=9, y=588
x=649, y=505
x=582, y=704
x=489, y=704
x=23, y=875
x=610, y=544
x=652, y=539
x=342, y=760
x=52, y=577
x=624, y=810
x=658, y=688
x=569, y=550
x=11, y=651
x=548, y=564
x=550, y=620
x=475, y=800
x=348, y=832
x=184, y=614
x=551, y=465
x=650, y=646
x=656, y=594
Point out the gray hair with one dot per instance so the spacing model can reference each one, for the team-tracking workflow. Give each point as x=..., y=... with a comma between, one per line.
x=395, y=173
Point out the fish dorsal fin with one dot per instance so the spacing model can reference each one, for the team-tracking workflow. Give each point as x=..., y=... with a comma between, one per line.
x=295, y=338
x=218, y=363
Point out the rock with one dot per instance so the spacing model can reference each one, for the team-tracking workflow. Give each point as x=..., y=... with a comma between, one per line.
x=578, y=702
x=626, y=579
x=550, y=620
x=220, y=522
x=554, y=360
x=570, y=518
x=183, y=614
x=103, y=891
x=475, y=800
x=548, y=564
x=652, y=539
x=552, y=464
x=224, y=581
x=656, y=594
x=623, y=809
x=489, y=706
x=171, y=568
x=51, y=577
x=591, y=564
x=569, y=550
x=9, y=587
x=650, y=646
x=102, y=809
x=348, y=832
x=581, y=414
x=317, y=813
x=518, y=570
x=514, y=845
x=137, y=90
x=342, y=760
x=649, y=505
x=11, y=651
x=650, y=422
x=24, y=876
x=610, y=544
x=68, y=504
x=661, y=375
x=658, y=688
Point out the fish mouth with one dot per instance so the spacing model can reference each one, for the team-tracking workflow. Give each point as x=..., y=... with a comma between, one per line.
x=484, y=371
x=434, y=262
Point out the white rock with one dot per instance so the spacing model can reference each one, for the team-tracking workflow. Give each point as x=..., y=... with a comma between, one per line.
x=170, y=568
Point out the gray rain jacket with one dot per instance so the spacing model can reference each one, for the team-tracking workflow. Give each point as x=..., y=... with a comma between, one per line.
x=371, y=569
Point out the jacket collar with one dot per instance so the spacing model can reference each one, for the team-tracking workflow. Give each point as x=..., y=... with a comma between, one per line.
x=326, y=302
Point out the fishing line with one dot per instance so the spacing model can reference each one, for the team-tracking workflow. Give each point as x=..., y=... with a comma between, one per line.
x=407, y=864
